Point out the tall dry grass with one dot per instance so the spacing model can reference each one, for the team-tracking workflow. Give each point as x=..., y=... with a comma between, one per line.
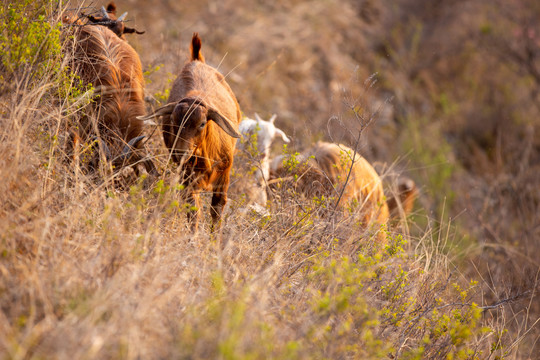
x=91, y=269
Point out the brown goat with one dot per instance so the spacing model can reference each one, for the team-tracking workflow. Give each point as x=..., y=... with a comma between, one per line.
x=324, y=170
x=100, y=58
x=200, y=127
x=109, y=19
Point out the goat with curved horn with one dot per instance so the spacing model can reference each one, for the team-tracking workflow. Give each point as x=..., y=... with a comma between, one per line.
x=201, y=135
x=101, y=58
x=115, y=24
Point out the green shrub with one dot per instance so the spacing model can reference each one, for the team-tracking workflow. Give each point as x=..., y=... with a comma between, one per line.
x=29, y=40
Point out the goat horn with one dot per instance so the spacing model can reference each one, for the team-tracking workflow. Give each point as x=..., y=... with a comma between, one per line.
x=103, y=146
x=194, y=101
x=122, y=17
x=146, y=161
x=131, y=144
x=162, y=111
x=149, y=122
x=105, y=13
x=108, y=155
x=127, y=150
x=128, y=30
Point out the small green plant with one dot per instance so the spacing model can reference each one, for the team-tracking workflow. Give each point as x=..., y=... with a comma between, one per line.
x=75, y=92
x=251, y=151
x=162, y=95
x=29, y=40
x=151, y=70
x=290, y=160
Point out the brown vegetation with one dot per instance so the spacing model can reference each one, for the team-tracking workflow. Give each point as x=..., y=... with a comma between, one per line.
x=92, y=270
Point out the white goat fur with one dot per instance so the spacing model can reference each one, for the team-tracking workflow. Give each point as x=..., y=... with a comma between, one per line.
x=266, y=133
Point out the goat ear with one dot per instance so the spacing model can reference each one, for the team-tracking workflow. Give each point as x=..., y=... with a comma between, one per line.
x=165, y=110
x=283, y=136
x=128, y=30
x=258, y=118
x=111, y=8
x=223, y=123
x=273, y=118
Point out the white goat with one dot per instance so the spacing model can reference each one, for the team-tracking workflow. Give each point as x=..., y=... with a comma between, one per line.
x=266, y=132
x=257, y=150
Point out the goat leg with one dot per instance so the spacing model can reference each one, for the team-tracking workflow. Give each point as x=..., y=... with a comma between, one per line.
x=193, y=213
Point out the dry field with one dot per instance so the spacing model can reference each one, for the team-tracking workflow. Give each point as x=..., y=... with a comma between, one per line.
x=102, y=264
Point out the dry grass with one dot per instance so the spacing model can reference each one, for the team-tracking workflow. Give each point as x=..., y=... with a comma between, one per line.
x=91, y=269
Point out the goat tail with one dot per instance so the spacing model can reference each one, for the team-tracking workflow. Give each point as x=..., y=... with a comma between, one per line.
x=196, y=45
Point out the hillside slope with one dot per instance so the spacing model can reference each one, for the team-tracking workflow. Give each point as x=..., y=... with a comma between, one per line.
x=103, y=265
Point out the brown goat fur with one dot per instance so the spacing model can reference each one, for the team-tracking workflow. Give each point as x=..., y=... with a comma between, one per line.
x=113, y=68
x=324, y=170
x=200, y=127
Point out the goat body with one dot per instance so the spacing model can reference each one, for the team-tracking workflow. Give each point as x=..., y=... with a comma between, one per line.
x=101, y=59
x=199, y=126
x=335, y=171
